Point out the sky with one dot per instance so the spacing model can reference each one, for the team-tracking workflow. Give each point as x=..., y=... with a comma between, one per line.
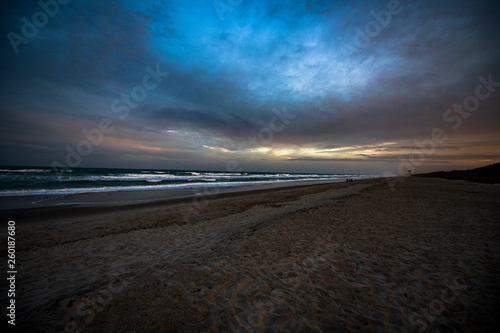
x=369, y=86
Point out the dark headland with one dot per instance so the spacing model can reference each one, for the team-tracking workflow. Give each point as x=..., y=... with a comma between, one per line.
x=489, y=174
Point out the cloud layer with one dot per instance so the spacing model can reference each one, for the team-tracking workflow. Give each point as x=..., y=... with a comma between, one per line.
x=362, y=82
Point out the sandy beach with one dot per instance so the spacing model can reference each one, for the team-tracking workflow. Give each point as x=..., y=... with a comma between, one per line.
x=321, y=258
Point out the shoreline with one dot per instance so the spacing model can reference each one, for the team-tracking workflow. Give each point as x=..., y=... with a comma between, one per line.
x=43, y=207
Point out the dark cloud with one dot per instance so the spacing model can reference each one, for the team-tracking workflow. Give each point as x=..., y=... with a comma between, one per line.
x=229, y=71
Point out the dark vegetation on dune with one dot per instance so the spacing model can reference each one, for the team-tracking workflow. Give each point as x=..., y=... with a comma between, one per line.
x=489, y=174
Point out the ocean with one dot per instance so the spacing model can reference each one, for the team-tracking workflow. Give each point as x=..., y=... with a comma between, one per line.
x=22, y=181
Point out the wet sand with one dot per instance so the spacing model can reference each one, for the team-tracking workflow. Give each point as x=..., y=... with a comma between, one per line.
x=323, y=258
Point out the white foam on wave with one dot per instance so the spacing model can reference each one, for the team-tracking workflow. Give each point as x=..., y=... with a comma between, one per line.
x=67, y=191
x=25, y=170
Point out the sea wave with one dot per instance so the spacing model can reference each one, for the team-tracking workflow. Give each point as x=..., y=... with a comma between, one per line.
x=66, y=191
x=25, y=170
